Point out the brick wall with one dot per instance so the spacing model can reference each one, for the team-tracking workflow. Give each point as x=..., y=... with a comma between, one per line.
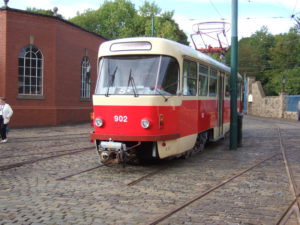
x=2, y=52
x=63, y=46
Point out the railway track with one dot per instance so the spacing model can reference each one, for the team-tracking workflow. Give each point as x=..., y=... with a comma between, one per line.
x=293, y=207
x=19, y=164
x=49, y=137
x=39, y=153
x=146, y=176
x=46, y=137
x=79, y=172
x=201, y=195
x=167, y=190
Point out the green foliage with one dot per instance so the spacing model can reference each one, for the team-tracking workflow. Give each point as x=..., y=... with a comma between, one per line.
x=88, y=20
x=43, y=11
x=269, y=58
x=276, y=84
x=285, y=52
x=118, y=19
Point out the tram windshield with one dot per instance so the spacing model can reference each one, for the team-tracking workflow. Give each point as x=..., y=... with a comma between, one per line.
x=138, y=75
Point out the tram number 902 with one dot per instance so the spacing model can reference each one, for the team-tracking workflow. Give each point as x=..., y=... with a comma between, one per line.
x=120, y=119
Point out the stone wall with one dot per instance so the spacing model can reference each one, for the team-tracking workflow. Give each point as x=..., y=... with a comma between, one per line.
x=291, y=115
x=267, y=106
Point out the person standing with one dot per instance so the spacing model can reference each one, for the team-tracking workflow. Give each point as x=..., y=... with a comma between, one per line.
x=5, y=115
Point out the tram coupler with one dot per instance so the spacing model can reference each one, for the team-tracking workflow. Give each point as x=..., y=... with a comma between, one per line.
x=111, y=152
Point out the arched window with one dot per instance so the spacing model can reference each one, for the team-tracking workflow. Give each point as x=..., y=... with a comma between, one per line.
x=30, y=71
x=85, y=78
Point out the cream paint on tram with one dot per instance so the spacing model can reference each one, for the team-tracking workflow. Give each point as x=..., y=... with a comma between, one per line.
x=161, y=47
x=123, y=100
x=176, y=146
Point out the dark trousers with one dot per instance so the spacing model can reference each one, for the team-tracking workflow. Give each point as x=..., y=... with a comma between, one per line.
x=2, y=128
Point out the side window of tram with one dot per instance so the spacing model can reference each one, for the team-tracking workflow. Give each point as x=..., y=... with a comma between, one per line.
x=203, y=80
x=169, y=72
x=213, y=82
x=189, y=78
x=239, y=90
x=227, y=89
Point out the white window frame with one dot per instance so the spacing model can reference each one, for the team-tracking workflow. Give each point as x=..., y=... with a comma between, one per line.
x=31, y=63
x=85, y=90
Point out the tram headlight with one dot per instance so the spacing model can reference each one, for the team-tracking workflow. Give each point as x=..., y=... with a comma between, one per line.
x=145, y=123
x=98, y=122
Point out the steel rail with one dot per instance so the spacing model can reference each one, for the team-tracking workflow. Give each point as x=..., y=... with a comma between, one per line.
x=201, y=195
x=47, y=137
x=80, y=172
x=288, y=212
x=19, y=164
x=295, y=205
x=33, y=154
x=145, y=176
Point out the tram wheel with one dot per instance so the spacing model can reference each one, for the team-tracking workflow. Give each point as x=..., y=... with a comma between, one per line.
x=201, y=141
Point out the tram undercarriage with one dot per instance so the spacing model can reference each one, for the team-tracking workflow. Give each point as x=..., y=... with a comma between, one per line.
x=113, y=152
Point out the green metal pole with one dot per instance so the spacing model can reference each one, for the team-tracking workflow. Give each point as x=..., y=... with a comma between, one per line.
x=153, y=25
x=233, y=77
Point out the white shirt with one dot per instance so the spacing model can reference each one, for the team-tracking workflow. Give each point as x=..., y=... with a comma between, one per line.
x=6, y=111
x=1, y=109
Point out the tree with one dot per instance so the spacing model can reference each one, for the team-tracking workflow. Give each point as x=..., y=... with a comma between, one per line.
x=88, y=20
x=43, y=11
x=270, y=58
x=285, y=61
x=119, y=18
x=112, y=20
x=276, y=85
x=285, y=53
x=254, y=54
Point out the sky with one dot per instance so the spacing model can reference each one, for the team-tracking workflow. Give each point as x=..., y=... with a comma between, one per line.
x=252, y=14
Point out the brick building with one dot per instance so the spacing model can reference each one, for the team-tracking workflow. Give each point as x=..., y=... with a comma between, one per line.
x=47, y=68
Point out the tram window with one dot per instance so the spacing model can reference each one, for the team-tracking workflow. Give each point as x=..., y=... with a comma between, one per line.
x=203, y=80
x=239, y=88
x=169, y=74
x=213, y=83
x=138, y=75
x=189, y=78
x=227, y=90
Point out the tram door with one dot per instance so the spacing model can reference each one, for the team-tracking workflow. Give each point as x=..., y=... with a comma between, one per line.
x=221, y=78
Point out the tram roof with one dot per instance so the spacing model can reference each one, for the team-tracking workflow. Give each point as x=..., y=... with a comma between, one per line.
x=158, y=46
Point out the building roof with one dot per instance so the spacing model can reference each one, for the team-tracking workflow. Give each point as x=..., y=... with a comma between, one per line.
x=51, y=17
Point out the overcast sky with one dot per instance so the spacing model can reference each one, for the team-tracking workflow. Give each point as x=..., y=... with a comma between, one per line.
x=253, y=14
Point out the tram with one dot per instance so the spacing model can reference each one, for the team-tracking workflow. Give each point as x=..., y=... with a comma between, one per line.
x=156, y=98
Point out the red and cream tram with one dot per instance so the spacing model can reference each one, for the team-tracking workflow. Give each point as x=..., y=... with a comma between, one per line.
x=156, y=98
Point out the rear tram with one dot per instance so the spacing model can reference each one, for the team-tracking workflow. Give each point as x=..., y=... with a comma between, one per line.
x=156, y=98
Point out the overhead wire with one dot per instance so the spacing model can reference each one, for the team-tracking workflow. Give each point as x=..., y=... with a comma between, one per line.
x=283, y=7
x=213, y=5
x=291, y=16
x=296, y=3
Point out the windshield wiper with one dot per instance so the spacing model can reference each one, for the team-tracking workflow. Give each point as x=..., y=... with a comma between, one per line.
x=131, y=81
x=160, y=91
x=112, y=81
